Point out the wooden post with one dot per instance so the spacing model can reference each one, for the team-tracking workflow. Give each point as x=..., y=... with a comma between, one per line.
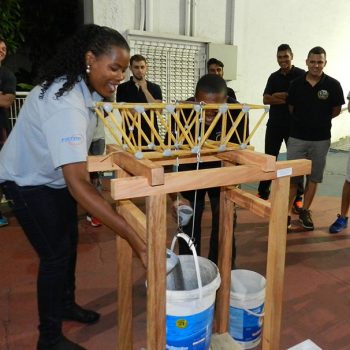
x=156, y=271
x=225, y=260
x=275, y=263
x=124, y=290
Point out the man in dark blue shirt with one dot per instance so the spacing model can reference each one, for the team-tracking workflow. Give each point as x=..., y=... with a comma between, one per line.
x=278, y=125
x=314, y=100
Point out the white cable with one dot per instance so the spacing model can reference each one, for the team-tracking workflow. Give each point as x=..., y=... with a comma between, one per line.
x=197, y=166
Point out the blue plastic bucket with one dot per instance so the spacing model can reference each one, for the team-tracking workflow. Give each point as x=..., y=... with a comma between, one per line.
x=246, y=307
x=190, y=299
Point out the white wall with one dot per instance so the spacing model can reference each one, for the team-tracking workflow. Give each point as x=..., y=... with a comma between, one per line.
x=259, y=27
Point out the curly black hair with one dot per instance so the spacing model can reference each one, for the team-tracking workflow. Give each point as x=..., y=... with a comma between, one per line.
x=69, y=62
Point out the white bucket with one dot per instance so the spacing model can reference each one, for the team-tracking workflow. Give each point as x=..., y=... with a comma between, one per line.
x=190, y=299
x=246, y=307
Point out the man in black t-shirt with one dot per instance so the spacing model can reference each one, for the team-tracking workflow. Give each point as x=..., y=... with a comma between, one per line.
x=278, y=125
x=314, y=99
x=139, y=90
x=7, y=96
x=216, y=67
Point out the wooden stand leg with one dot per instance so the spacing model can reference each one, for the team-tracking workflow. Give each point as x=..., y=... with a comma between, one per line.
x=124, y=290
x=276, y=263
x=225, y=259
x=156, y=271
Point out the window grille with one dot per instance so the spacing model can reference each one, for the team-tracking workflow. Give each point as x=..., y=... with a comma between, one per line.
x=175, y=65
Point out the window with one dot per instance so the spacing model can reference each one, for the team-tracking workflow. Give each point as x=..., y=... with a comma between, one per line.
x=173, y=64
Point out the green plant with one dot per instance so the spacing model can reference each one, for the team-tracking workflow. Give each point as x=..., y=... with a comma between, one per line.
x=10, y=23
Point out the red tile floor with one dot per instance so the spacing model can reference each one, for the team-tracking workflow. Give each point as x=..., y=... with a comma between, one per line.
x=316, y=296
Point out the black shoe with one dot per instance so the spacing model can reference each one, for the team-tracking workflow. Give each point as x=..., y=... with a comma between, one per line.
x=62, y=344
x=306, y=220
x=77, y=313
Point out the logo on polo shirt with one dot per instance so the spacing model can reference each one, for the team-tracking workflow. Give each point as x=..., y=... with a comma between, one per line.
x=323, y=94
x=74, y=140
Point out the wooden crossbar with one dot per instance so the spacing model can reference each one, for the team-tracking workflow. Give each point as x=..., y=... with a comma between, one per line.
x=204, y=178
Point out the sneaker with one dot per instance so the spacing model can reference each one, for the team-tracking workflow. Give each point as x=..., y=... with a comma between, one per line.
x=298, y=205
x=3, y=221
x=339, y=225
x=93, y=221
x=306, y=220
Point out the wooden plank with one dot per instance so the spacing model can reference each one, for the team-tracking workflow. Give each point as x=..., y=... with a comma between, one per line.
x=224, y=342
x=276, y=263
x=134, y=217
x=215, y=177
x=265, y=161
x=251, y=202
x=124, y=290
x=156, y=271
x=224, y=262
x=144, y=167
x=101, y=163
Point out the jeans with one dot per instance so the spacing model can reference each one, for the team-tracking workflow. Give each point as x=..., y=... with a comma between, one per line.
x=49, y=219
x=214, y=198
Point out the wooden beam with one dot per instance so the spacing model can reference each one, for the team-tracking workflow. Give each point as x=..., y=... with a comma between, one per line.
x=101, y=163
x=134, y=217
x=265, y=161
x=124, y=290
x=251, y=202
x=215, y=177
x=276, y=263
x=124, y=300
x=225, y=262
x=156, y=271
x=144, y=167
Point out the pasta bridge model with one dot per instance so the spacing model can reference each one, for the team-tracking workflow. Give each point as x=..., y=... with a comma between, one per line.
x=178, y=129
x=181, y=133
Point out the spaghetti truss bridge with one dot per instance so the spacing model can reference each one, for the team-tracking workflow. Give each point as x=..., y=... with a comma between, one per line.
x=157, y=130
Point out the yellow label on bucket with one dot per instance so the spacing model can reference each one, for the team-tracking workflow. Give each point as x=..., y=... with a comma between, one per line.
x=181, y=323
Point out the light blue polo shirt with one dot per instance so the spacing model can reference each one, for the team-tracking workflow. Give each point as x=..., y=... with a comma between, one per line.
x=49, y=133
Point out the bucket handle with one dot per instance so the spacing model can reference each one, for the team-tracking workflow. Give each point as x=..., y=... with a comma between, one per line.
x=254, y=313
x=188, y=240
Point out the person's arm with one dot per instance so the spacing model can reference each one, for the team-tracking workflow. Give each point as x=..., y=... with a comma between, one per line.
x=6, y=100
x=143, y=85
x=78, y=182
x=277, y=98
x=291, y=109
x=336, y=111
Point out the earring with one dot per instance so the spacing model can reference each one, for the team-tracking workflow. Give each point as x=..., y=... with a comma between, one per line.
x=88, y=69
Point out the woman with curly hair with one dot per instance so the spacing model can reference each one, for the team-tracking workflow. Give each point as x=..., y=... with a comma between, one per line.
x=43, y=170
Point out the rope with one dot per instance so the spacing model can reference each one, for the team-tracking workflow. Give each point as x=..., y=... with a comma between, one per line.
x=198, y=159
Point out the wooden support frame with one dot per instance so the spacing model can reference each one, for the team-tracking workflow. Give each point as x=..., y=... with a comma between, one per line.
x=137, y=181
x=124, y=289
